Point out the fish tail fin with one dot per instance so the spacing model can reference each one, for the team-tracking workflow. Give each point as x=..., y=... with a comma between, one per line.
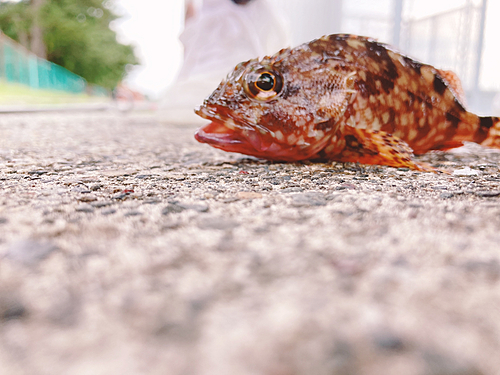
x=491, y=126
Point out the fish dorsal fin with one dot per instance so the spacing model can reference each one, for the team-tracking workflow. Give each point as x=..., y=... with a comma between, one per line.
x=454, y=84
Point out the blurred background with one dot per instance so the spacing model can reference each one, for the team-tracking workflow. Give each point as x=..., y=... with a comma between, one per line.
x=459, y=35
x=131, y=49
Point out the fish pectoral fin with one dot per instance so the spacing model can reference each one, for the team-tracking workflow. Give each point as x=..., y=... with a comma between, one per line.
x=376, y=147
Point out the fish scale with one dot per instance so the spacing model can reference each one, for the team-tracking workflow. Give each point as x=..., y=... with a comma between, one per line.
x=342, y=98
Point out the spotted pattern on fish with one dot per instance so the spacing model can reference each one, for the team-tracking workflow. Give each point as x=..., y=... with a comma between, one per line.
x=342, y=98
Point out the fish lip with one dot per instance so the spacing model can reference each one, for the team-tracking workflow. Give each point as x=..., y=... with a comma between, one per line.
x=205, y=113
x=216, y=132
x=212, y=113
x=216, y=138
x=233, y=134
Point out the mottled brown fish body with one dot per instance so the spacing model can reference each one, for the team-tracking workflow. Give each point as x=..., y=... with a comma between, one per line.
x=342, y=98
x=401, y=96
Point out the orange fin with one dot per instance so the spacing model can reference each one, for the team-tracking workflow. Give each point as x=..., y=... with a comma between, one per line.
x=376, y=147
x=454, y=84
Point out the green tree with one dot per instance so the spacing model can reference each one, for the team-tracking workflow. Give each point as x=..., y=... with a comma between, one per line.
x=16, y=20
x=76, y=35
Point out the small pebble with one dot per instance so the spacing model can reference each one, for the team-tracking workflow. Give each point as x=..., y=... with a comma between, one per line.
x=11, y=307
x=87, y=198
x=172, y=208
x=151, y=201
x=308, y=199
x=488, y=194
x=37, y=173
x=199, y=207
x=390, y=342
x=467, y=171
x=217, y=223
x=438, y=364
x=85, y=208
x=248, y=195
x=30, y=252
x=446, y=195
x=121, y=196
x=100, y=204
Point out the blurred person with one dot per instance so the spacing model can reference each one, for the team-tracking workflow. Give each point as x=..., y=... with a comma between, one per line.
x=217, y=35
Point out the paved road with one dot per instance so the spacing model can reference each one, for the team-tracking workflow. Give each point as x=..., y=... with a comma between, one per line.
x=128, y=248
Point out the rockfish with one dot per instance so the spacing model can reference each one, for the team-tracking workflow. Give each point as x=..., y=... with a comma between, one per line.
x=341, y=98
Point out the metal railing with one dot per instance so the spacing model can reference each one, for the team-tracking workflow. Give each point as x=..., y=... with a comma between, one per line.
x=450, y=39
x=19, y=65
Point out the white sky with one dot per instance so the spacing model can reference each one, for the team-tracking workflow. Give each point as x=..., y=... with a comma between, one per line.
x=153, y=26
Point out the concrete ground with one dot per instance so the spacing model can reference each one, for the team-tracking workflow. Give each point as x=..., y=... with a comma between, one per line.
x=126, y=247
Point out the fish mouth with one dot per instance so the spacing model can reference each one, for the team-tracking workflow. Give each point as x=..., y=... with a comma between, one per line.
x=234, y=135
x=216, y=133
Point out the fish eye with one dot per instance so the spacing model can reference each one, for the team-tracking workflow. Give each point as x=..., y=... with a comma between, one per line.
x=263, y=84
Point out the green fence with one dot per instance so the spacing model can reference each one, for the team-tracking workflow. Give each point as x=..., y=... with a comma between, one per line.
x=19, y=65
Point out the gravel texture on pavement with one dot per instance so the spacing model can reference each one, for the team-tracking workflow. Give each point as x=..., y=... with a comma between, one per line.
x=126, y=247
